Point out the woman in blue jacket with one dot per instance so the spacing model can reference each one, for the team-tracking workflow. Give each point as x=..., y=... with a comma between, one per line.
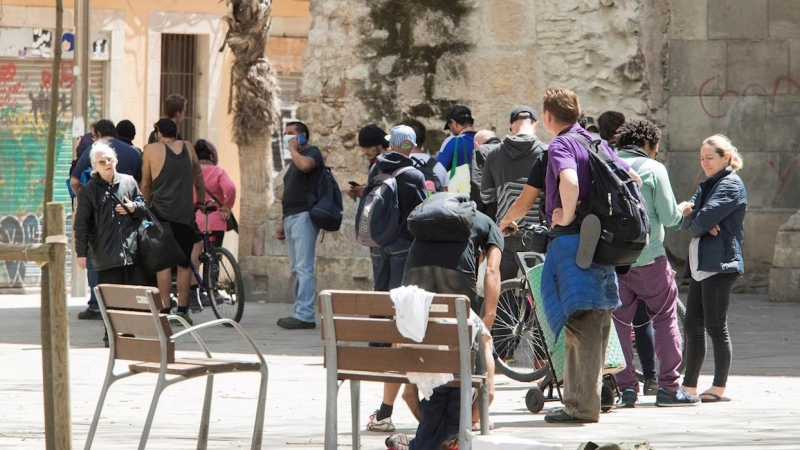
x=716, y=223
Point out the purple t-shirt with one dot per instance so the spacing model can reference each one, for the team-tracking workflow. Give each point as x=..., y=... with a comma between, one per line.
x=566, y=152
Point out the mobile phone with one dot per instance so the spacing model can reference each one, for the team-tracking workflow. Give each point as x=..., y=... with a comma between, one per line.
x=301, y=139
x=353, y=183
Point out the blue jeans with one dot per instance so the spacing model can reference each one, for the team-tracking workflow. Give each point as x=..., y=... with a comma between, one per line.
x=91, y=276
x=301, y=239
x=389, y=263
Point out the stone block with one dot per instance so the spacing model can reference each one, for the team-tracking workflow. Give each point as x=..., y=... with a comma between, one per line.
x=738, y=19
x=772, y=180
x=784, y=285
x=743, y=120
x=512, y=22
x=688, y=19
x=697, y=64
x=754, y=67
x=787, y=249
x=684, y=173
x=760, y=235
x=782, y=124
x=784, y=19
x=691, y=120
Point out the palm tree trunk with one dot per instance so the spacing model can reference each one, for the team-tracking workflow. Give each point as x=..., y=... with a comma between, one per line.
x=256, y=170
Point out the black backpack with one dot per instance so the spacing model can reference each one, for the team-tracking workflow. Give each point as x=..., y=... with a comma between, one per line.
x=616, y=200
x=427, y=171
x=325, y=202
x=443, y=217
x=379, y=221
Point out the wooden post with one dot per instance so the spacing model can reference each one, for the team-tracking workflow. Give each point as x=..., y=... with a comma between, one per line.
x=55, y=324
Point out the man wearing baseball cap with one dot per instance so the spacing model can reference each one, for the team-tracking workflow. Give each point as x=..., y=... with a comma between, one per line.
x=460, y=145
x=389, y=261
x=373, y=141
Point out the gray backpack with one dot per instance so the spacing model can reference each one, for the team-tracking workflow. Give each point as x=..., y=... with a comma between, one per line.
x=378, y=220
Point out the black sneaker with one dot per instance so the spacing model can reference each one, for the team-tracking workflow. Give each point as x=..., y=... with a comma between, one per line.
x=561, y=416
x=650, y=387
x=628, y=399
x=679, y=398
x=90, y=314
x=290, y=323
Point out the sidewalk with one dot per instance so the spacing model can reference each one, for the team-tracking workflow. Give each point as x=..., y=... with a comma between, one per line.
x=765, y=388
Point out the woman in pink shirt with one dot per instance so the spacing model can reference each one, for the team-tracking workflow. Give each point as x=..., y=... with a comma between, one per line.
x=219, y=188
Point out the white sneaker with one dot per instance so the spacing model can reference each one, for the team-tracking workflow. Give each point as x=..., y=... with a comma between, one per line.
x=379, y=425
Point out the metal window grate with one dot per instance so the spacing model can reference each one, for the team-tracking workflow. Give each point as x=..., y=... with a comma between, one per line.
x=179, y=73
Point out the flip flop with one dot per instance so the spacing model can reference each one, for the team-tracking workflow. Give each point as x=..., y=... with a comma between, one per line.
x=590, y=235
x=714, y=398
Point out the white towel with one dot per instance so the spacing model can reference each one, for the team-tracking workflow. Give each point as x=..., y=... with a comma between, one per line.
x=411, y=305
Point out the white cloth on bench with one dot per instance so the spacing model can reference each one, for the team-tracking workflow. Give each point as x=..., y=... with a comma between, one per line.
x=411, y=305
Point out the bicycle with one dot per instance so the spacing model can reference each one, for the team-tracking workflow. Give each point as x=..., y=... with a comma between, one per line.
x=222, y=280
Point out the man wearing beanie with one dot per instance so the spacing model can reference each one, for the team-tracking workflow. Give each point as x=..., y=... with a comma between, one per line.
x=373, y=142
x=388, y=262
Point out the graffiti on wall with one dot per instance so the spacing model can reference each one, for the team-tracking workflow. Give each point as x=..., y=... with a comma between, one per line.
x=25, y=101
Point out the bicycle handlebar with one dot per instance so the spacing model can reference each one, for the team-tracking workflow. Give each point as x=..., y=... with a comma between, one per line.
x=205, y=209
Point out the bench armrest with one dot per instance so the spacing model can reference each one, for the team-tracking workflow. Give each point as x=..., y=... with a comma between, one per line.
x=193, y=331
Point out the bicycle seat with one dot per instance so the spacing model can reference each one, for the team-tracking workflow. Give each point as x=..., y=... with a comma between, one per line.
x=206, y=209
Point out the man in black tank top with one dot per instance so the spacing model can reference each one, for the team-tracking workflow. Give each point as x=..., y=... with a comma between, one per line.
x=170, y=172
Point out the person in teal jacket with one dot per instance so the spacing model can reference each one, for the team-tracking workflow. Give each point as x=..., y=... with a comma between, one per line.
x=651, y=277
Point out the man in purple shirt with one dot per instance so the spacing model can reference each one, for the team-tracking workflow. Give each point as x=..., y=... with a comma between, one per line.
x=577, y=299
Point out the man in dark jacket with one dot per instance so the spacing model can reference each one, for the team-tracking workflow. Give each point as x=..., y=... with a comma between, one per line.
x=505, y=173
x=485, y=141
x=389, y=261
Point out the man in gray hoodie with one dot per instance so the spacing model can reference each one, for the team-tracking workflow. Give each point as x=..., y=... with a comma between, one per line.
x=505, y=173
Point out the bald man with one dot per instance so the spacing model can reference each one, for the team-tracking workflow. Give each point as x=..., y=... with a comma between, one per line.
x=485, y=142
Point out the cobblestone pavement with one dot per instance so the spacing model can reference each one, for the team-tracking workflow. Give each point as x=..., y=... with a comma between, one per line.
x=764, y=386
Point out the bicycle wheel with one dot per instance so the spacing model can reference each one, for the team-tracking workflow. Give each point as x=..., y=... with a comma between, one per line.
x=224, y=285
x=517, y=339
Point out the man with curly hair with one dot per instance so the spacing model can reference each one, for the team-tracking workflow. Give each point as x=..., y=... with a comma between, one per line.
x=651, y=277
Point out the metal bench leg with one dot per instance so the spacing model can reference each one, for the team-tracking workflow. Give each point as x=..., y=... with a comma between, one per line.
x=160, y=385
x=331, y=433
x=93, y=428
x=258, y=428
x=355, y=399
x=483, y=407
x=205, y=417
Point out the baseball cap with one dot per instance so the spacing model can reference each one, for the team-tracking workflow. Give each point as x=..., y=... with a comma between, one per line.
x=402, y=133
x=590, y=122
x=458, y=112
x=522, y=110
x=372, y=136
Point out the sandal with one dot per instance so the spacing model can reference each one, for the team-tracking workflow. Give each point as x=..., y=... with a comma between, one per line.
x=476, y=426
x=714, y=398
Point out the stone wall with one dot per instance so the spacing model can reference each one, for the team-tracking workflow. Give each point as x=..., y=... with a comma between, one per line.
x=733, y=69
x=385, y=60
x=726, y=66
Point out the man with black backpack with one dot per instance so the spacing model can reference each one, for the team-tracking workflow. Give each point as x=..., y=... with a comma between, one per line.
x=393, y=190
x=297, y=227
x=579, y=300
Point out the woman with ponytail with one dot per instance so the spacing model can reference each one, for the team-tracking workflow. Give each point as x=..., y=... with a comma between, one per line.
x=716, y=223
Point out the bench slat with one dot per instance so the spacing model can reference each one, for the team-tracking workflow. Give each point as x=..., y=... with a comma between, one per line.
x=374, y=303
x=398, y=359
x=137, y=323
x=355, y=329
x=133, y=349
x=223, y=365
x=123, y=296
x=186, y=370
x=380, y=377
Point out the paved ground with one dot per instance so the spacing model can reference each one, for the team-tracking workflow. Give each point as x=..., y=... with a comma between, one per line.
x=763, y=414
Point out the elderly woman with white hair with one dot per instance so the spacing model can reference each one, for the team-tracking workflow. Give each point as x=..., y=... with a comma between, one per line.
x=109, y=206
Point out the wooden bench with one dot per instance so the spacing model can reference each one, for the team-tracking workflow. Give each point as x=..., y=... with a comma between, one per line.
x=139, y=332
x=347, y=328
